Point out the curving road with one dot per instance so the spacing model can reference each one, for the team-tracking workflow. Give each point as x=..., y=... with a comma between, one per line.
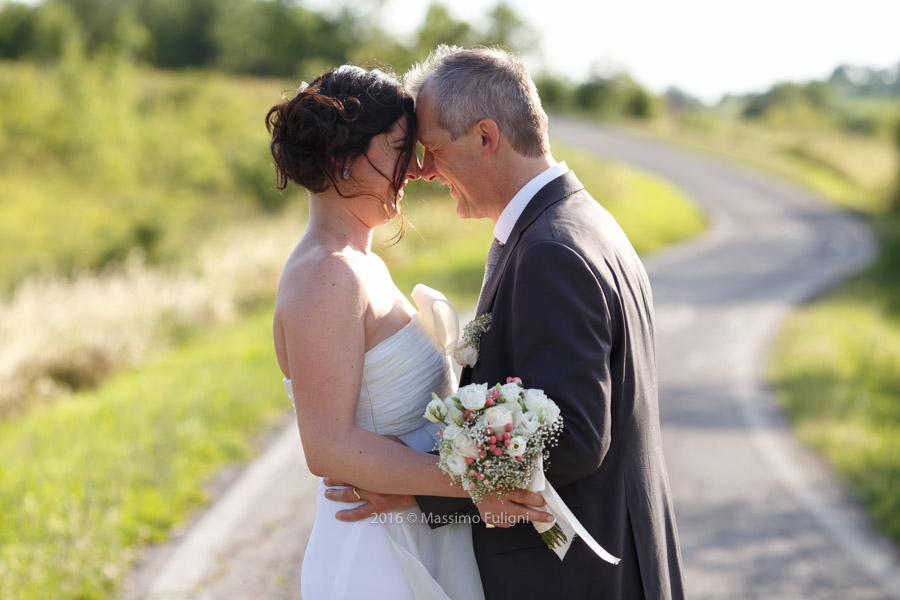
x=758, y=515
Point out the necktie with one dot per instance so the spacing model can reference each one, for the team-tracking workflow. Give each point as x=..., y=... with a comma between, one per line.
x=492, y=258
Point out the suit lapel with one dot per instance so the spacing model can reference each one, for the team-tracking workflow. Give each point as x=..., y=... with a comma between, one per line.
x=561, y=187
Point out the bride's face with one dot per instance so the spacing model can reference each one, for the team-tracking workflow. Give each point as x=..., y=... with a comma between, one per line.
x=375, y=170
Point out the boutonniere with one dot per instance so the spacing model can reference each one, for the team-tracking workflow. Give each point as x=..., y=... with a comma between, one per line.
x=466, y=354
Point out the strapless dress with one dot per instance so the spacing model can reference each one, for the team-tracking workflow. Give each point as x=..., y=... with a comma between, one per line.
x=396, y=555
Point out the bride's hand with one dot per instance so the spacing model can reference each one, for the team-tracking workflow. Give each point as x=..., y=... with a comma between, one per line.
x=373, y=504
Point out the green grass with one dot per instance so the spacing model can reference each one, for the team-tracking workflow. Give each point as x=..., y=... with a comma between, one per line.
x=86, y=482
x=835, y=366
x=836, y=369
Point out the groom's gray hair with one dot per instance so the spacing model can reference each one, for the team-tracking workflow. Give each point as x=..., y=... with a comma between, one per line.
x=483, y=83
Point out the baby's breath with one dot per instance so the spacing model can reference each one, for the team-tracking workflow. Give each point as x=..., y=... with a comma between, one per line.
x=476, y=328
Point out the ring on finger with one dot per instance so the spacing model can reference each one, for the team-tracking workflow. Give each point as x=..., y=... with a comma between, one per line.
x=356, y=493
x=489, y=525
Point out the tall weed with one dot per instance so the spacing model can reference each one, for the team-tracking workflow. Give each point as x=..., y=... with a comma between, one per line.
x=63, y=334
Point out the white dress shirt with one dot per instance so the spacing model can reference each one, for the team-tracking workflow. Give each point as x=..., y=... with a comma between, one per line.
x=517, y=205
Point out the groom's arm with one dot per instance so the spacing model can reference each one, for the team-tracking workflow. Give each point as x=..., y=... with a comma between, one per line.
x=439, y=510
x=562, y=344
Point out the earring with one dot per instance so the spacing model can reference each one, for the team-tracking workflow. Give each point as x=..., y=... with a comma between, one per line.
x=346, y=172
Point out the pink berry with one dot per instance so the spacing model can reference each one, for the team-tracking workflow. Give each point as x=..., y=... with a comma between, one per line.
x=507, y=443
x=482, y=454
x=489, y=431
x=472, y=486
x=472, y=473
x=493, y=439
x=498, y=451
x=480, y=476
x=488, y=402
x=506, y=435
x=518, y=458
x=495, y=394
x=509, y=426
x=469, y=460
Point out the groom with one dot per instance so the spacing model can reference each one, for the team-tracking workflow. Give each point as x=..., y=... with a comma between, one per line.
x=572, y=314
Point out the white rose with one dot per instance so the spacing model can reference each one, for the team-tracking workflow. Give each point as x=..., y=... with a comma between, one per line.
x=451, y=432
x=525, y=422
x=456, y=464
x=435, y=412
x=496, y=417
x=552, y=411
x=465, y=447
x=466, y=355
x=473, y=396
x=537, y=402
x=510, y=392
x=517, y=446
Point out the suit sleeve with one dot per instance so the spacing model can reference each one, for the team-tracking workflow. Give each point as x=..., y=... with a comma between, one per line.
x=562, y=341
x=439, y=511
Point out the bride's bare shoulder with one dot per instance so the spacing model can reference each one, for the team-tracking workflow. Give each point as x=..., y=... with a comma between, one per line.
x=317, y=281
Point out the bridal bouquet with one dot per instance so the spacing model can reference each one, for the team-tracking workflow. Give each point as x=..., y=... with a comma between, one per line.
x=494, y=438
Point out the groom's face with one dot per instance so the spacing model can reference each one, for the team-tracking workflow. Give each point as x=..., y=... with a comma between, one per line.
x=453, y=162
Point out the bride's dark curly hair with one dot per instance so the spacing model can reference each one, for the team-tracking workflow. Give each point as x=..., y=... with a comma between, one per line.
x=332, y=121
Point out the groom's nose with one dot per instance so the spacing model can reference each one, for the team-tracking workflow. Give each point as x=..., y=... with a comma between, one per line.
x=428, y=172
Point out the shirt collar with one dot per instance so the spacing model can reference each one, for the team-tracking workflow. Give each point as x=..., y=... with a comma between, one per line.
x=516, y=206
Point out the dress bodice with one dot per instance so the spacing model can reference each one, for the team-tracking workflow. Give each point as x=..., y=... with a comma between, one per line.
x=401, y=372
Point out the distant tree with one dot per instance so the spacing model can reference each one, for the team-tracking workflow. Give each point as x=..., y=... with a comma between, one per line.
x=555, y=92
x=440, y=27
x=594, y=95
x=639, y=103
x=182, y=33
x=17, y=30
x=677, y=100
x=613, y=96
x=895, y=204
x=509, y=30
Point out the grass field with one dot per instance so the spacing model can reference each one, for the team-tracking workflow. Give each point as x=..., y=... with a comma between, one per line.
x=85, y=482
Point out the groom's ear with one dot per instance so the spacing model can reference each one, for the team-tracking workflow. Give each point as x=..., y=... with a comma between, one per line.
x=489, y=134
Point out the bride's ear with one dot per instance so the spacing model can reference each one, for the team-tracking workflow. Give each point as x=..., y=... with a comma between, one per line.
x=489, y=134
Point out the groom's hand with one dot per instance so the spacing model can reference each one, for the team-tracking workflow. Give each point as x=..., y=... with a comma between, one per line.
x=373, y=504
x=514, y=508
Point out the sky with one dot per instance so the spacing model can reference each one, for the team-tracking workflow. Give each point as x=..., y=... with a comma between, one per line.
x=705, y=47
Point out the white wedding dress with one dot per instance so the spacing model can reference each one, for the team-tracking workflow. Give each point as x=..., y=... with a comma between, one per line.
x=396, y=556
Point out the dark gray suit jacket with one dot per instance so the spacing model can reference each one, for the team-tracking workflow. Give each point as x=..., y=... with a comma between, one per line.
x=573, y=316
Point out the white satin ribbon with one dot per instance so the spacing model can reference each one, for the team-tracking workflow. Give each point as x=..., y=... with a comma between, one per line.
x=438, y=317
x=567, y=521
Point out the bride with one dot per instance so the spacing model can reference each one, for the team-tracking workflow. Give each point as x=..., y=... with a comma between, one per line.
x=359, y=362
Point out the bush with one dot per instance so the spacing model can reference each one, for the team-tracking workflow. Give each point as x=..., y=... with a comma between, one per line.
x=100, y=158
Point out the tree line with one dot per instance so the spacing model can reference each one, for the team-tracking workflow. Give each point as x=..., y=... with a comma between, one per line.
x=284, y=38
x=281, y=38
